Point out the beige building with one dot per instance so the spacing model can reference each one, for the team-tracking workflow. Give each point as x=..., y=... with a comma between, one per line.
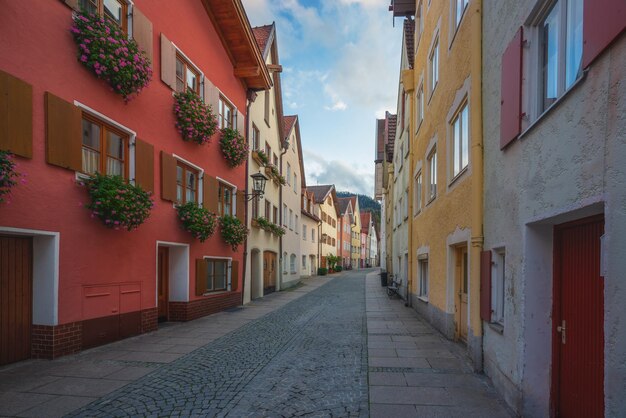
x=308, y=245
x=325, y=198
x=265, y=133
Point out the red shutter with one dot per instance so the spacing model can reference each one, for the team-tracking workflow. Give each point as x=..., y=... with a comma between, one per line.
x=603, y=21
x=168, y=177
x=511, y=91
x=485, y=286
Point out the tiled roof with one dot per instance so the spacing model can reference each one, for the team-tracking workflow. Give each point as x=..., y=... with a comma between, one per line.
x=365, y=221
x=288, y=122
x=320, y=192
x=380, y=140
x=342, y=204
x=409, y=33
x=390, y=130
x=353, y=200
x=262, y=35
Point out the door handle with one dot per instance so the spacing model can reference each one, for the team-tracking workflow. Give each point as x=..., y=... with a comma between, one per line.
x=561, y=328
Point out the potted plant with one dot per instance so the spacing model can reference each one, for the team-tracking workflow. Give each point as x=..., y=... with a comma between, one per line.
x=234, y=147
x=234, y=232
x=106, y=50
x=260, y=157
x=116, y=202
x=195, y=120
x=278, y=230
x=197, y=220
x=262, y=223
x=8, y=175
x=322, y=271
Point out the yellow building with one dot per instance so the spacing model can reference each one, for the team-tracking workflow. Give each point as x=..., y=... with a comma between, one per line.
x=326, y=198
x=445, y=208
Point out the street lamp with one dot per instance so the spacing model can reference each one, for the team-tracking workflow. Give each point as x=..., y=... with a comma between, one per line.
x=258, y=186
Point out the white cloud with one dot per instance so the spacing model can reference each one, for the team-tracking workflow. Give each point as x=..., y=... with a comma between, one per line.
x=319, y=170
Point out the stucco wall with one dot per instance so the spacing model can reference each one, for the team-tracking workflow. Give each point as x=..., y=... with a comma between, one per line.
x=292, y=198
x=567, y=166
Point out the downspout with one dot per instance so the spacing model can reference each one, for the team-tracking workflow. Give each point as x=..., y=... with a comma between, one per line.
x=280, y=199
x=408, y=83
x=250, y=99
x=477, y=170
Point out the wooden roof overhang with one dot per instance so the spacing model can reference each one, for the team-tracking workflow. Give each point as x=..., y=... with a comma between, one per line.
x=402, y=8
x=231, y=22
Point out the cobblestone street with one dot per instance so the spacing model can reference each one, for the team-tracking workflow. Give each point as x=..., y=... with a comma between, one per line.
x=302, y=352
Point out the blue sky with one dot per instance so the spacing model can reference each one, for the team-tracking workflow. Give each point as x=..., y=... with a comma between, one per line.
x=341, y=61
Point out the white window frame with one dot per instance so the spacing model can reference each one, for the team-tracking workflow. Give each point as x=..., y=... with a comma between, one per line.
x=423, y=266
x=457, y=143
x=292, y=263
x=433, y=66
x=228, y=183
x=419, y=105
x=228, y=274
x=417, y=192
x=432, y=174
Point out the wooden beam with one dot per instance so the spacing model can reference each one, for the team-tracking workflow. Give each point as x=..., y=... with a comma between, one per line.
x=275, y=68
x=243, y=72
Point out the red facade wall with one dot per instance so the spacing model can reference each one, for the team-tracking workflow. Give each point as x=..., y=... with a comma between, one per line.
x=38, y=48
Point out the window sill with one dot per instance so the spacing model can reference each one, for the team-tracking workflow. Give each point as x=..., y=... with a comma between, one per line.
x=431, y=200
x=423, y=299
x=497, y=327
x=458, y=176
x=215, y=293
x=556, y=103
x=432, y=93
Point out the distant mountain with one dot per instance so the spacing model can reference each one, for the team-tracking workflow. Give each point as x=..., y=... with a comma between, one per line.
x=366, y=203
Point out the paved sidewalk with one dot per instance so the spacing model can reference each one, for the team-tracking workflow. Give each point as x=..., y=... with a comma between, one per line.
x=414, y=371
x=44, y=388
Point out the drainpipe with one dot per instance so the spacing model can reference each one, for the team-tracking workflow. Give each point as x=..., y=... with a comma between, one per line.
x=280, y=199
x=251, y=97
x=477, y=175
x=408, y=83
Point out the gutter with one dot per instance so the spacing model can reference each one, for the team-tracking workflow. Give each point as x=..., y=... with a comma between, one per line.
x=251, y=97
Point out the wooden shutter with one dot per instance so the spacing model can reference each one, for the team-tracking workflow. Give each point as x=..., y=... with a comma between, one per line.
x=234, y=276
x=485, y=286
x=241, y=123
x=211, y=95
x=168, y=177
x=603, y=21
x=72, y=3
x=511, y=91
x=144, y=165
x=210, y=187
x=241, y=206
x=202, y=270
x=63, y=133
x=142, y=32
x=16, y=115
x=168, y=62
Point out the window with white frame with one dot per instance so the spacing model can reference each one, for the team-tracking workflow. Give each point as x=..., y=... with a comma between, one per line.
x=256, y=138
x=419, y=106
x=285, y=219
x=291, y=219
x=312, y=234
x=419, y=22
x=292, y=263
x=560, y=49
x=295, y=183
x=433, y=65
x=226, y=117
x=285, y=261
x=417, y=195
x=459, y=9
x=297, y=225
x=432, y=174
x=460, y=140
x=304, y=232
x=288, y=174
x=498, y=284
x=422, y=266
x=304, y=261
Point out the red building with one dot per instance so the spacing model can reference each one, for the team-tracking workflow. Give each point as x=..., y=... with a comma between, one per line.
x=68, y=281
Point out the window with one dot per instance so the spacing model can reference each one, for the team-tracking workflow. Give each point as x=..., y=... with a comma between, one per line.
x=419, y=106
x=256, y=139
x=268, y=210
x=333, y=242
x=460, y=141
x=422, y=265
x=295, y=182
x=226, y=116
x=187, y=179
x=268, y=150
x=297, y=225
x=304, y=261
x=498, y=286
x=285, y=261
x=312, y=234
x=418, y=193
x=405, y=205
x=432, y=175
x=304, y=232
x=275, y=215
x=187, y=77
x=460, y=7
x=561, y=46
x=217, y=275
x=275, y=160
x=288, y=174
x=255, y=207
x=105, y=148
x=292, y=263
x=115, y=11
x=225, y=200
x=285, y=215
x=334, y=223
x=433, y=67
x=419, y=22
x=267, y=107
x=291, y=219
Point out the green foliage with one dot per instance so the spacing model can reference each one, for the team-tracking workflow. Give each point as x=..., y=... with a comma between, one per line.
x=322, y=271
x=117, y=203
x=234, y=147
x=333, y=260
x=266, y=225
x=106, y=50
x=8, y=175
x=234, y=232
x=195, y=120
x=197, y=220
x=263, y=157
x=338, y=268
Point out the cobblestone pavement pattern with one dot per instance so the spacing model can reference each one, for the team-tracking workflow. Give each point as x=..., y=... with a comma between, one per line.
x=308, y=358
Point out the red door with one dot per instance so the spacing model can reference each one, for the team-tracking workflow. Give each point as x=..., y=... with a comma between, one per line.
x=164, y=286
x=578, y=320
x=15, y=298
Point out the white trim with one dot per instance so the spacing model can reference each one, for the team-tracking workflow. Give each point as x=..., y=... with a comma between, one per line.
x=201, y=78
x=45, y=309
x=235, y=188
x=200, y=183
x=105, y=118
x=228, y=279
x=172, y=276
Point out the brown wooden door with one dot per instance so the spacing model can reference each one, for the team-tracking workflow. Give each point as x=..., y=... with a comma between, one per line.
x=462, y=282
x=164, y=282
x=269, y=272
x=578, y=320
x=16, y=290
